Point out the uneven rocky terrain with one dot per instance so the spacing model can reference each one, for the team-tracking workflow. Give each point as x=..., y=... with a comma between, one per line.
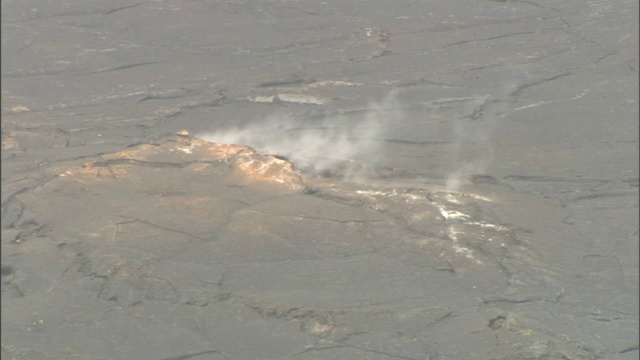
x=320, y=180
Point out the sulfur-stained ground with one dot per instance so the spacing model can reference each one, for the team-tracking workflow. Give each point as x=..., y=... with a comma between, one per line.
x=319, y=180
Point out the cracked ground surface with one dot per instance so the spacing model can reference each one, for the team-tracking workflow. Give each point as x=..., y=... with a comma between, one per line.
x=496, y=217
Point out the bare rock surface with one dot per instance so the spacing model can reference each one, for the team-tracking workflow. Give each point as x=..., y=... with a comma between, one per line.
x=379, y=180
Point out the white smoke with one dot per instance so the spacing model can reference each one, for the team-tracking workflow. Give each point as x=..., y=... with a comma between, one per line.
x=345, y=145
x=473, y=150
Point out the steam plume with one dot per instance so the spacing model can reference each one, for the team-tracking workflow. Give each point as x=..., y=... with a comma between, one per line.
x=347, y=145
x=472, y=152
